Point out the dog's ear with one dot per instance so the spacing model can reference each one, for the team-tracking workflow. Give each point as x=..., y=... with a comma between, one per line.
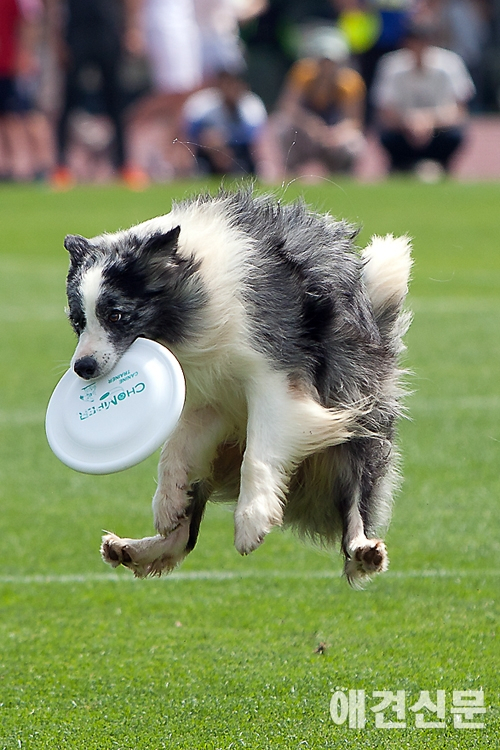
x=77, y=247
x=163, y=243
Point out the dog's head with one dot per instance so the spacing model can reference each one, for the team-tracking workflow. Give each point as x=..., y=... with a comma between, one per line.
x=121, y=287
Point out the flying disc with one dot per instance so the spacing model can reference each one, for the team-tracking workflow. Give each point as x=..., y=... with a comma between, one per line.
x=111, y=423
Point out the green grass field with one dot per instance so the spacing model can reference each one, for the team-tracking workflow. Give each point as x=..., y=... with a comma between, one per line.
x=224, y=654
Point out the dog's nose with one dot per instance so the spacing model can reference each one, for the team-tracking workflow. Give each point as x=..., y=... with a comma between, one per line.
x=86, y=368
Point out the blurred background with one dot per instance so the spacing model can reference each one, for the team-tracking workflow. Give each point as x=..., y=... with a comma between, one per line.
x=148, y=91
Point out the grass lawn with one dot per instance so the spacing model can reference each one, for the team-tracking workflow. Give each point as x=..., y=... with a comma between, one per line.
x=224, y=653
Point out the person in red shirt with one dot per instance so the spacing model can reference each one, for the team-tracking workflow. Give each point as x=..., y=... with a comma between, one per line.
x=22, y=137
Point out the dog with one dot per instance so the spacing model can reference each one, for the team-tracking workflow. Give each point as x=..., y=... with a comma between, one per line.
x=289, y=338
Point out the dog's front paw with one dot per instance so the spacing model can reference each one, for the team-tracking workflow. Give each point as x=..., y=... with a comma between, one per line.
x=366, y=560
x=251, y=527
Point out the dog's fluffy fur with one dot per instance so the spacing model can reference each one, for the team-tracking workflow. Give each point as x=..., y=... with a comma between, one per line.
x=289, y=340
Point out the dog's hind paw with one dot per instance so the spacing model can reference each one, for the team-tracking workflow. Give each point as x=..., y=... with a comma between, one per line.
x=366, y=560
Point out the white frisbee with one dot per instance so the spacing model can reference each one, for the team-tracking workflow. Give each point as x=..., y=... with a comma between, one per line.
x=114, y=422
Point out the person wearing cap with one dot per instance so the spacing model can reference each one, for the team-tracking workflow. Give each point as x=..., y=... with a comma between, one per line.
x=320, y=112
x=421, y=93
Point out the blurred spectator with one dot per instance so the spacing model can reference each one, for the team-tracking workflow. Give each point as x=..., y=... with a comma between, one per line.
x=173, y=45
x=421, y=94
x=171, y=41
x=218, y=22
x=271, y=41
x=320, y=112
x=224, y=124
x=25, y=140
x=90, y=37
x=373, y=28
x=461, y=26
x=187, y=43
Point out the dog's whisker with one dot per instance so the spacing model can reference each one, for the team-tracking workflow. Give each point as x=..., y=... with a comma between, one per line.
x=60, y=367
x=186, y=145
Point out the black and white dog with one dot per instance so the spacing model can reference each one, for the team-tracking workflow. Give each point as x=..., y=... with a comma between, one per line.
x=289, y=341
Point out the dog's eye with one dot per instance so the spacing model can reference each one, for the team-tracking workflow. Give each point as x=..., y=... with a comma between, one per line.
x=114, y=316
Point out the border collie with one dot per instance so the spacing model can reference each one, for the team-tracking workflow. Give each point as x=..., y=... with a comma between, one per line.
x=289, y=339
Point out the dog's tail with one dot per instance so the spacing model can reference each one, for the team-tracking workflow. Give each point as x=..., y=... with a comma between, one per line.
x=386, y=271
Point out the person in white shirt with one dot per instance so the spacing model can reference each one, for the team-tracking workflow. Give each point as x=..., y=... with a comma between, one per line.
x=421, y=94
